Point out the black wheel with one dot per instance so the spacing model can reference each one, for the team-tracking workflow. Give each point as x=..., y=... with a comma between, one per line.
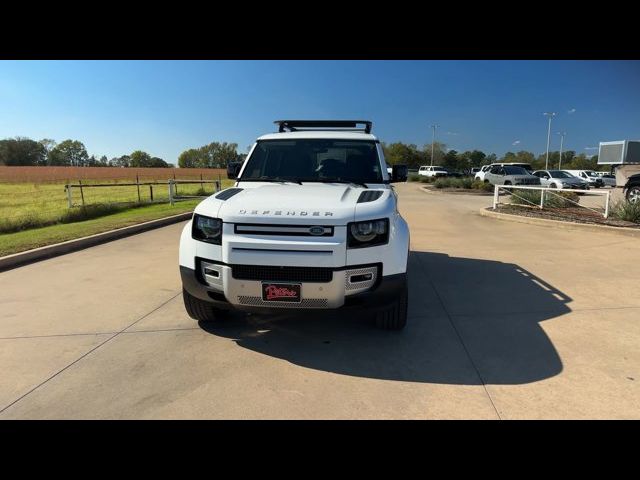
x=552, y=185
x=633, y=194
x=394, y=317
x=198, y=309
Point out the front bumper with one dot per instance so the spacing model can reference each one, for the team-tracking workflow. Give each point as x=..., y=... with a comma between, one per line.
x=226, y=292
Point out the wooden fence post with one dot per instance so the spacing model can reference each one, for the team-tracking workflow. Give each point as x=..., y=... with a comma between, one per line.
x=151, y=191
x=138, y=187
x=69, y=199
x=81, y=192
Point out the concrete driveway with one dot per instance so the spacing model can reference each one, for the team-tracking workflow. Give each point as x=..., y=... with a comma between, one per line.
x=506, y=321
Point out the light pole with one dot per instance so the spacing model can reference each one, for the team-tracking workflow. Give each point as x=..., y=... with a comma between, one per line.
x=433, y=142
x=562, y=135
x=550, y=115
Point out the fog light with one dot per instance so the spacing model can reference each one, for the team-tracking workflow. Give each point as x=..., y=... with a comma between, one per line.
x=365, y=277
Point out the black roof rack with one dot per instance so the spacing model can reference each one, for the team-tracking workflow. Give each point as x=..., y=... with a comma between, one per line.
x=296, y=125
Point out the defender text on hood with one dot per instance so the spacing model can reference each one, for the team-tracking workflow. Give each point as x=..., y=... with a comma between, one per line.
x=311, y=223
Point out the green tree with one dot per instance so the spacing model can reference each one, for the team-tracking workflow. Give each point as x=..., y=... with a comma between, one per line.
x=140, y=159
x=213, y=155
x=70, y=152
x=189, y=158
x=21, y=151
x=48, y=145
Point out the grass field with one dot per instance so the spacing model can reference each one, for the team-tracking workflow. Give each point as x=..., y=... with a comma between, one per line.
x=30, y=205
x=37, y=214
x=39, y=237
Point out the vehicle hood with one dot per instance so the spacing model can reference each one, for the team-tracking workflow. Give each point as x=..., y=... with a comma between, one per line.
x=312, y=203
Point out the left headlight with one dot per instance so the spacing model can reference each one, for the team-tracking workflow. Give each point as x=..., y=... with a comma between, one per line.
x=368, y=234
x=207, y=229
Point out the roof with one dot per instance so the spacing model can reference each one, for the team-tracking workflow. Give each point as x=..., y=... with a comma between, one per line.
x=326, y=134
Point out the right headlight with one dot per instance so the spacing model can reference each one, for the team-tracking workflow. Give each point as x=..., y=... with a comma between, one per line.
x=207, y=229
x=368, y=233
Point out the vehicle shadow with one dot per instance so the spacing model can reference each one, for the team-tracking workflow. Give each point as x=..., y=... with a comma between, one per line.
x=470, y=321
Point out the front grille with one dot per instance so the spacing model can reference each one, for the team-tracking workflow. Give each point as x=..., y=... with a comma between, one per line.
x=282, y=274
x=304, y=303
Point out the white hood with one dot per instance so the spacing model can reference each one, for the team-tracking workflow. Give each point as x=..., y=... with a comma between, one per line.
x=315, y=203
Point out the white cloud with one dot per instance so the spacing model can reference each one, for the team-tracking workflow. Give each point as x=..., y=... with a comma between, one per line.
x=517, y=142
x=452, y=133
x=573, y=110
x=591, y=148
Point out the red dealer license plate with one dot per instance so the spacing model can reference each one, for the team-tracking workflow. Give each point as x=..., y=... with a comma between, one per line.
x=280, y=292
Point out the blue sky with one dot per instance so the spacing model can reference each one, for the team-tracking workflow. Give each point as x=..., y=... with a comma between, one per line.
x=165, y=107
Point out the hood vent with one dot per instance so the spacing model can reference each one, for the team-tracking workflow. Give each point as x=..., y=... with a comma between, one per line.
x=228, y=193
x=369, y=196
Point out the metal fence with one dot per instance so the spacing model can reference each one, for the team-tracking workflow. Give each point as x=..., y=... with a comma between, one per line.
x=548, y=194
x=81, y=194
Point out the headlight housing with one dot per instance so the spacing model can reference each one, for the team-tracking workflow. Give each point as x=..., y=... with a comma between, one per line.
x=206, y=229
x=368, y=233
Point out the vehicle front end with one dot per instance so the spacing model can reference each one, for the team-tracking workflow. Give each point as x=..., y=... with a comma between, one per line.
x=279, y=256
x=306, y=238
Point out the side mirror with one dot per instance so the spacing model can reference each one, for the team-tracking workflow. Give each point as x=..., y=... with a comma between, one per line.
x=232, y=170
x=399, y=173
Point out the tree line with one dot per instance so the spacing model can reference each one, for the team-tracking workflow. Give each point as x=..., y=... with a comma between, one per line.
x=22, y=151
x=46, y=152
x=414, y=157
x=213, y=155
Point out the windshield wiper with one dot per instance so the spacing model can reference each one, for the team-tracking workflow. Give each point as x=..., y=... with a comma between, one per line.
x=338, y=180
x=279, y=180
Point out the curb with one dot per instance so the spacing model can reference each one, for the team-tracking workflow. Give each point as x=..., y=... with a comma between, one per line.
x=629, y=232
x=49, y=251
x=437, y=192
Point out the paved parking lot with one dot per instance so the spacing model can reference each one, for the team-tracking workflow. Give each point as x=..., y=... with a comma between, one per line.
x=506, y=321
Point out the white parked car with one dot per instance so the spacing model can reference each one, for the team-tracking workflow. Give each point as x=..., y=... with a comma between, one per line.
x=588, y=175
x=560, y=179
x=510, y=175
x=429, y=171
x=311, y=224
x=483, y=170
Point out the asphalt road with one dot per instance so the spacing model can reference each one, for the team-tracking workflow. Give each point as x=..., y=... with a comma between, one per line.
x=506, y=321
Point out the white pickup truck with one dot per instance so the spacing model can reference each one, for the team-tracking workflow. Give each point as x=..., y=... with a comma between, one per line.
x=312, y=223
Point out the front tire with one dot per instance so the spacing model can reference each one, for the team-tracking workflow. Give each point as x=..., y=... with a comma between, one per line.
x=633, y=194
x=198, y=309
x=394, y=316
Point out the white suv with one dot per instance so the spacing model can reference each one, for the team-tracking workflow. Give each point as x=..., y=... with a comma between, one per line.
x=311, y=223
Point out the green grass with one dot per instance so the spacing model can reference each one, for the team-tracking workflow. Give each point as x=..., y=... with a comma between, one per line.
x=39, y=237
x=627, y=211
x=24, y=206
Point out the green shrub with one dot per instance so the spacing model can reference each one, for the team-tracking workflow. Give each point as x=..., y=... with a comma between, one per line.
x=551, y=200
x=425, y=179
x=627, y=211
x=414, y=177
x=480, y=185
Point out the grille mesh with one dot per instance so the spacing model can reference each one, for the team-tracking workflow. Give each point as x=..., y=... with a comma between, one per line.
x=282, y=274
x=304, y=303
x=362, y=271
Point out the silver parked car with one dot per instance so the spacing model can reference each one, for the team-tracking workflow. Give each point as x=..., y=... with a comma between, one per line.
x=510, y=175
x=560, y=179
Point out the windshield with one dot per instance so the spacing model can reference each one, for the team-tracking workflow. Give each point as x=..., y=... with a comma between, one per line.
x=591, y=173
x=314, y=160
x=559, y=174
x=510, y=170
